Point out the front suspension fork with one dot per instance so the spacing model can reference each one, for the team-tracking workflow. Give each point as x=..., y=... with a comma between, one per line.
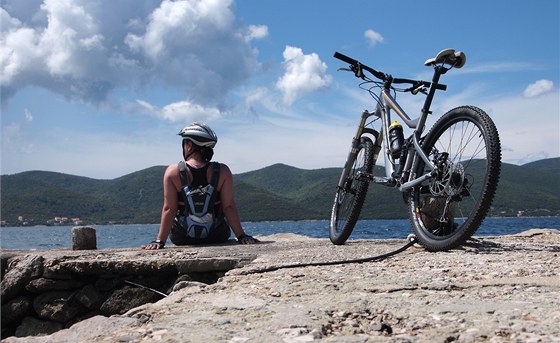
x=356, y=140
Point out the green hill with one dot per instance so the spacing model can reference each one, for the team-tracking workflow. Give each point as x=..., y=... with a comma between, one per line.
x=277, y=192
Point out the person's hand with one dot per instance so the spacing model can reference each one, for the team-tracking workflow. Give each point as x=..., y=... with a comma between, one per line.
x=246, y=239
x=154, y=245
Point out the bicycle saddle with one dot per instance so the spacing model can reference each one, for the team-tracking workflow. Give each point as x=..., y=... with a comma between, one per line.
x=456, y=59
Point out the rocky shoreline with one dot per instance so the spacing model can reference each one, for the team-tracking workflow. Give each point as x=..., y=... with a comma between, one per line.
x=497, y=289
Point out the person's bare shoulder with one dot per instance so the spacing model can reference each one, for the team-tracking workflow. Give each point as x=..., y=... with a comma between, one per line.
x=172, y=169
x=224, y=169
x=171, y=176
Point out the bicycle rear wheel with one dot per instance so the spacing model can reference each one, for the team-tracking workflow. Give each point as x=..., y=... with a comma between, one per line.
x=350, y=198
x=448, y=209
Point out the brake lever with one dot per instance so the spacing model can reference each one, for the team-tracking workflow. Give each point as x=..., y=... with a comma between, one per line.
x=419, y=89
x=358, y=71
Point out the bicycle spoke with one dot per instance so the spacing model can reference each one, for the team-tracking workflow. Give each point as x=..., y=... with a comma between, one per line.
x=465, y=148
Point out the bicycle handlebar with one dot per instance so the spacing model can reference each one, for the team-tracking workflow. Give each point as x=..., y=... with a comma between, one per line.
x=382, y=76
x=355, y=63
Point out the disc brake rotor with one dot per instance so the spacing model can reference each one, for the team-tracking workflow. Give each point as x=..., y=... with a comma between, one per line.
x=450, y=183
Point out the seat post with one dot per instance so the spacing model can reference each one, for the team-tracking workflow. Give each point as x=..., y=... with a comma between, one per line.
x=438, y=71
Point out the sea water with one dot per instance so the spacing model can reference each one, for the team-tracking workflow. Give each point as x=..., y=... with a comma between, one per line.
x=130, y=236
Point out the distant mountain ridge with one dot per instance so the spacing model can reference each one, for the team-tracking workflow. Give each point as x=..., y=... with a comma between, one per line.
x=277, y=192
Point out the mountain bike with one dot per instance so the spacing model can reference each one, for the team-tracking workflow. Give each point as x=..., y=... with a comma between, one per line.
x=448, y=177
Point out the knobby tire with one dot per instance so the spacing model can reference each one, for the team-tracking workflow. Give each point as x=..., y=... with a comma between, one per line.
x=349, y=199
x=447, y=210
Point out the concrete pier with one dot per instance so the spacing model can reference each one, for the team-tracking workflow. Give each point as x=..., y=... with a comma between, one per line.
x=498, y=289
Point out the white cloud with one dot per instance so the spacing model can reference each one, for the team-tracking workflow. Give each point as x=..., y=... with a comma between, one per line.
x=538, y=88
x=303, y=74
x=174, y=23
x=181, y=111
x=197, y=47
x=496, y=67
x=71, y=43
x=84, y=49
x=65, y=54
x=8, y=23
x=256, y=32
x=373, y=37
x=186, y=111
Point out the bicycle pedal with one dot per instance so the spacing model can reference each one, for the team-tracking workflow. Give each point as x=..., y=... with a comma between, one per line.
x=386, y=181
x=367, y=176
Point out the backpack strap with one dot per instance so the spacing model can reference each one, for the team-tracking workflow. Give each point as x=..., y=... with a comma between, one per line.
x=185, y=176
x=183, y=173
x=214, y=182
x=215, y=174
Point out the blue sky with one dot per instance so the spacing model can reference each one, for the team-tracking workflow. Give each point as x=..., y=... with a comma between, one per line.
x=100, y=88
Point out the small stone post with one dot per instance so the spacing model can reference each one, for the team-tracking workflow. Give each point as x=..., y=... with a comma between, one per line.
x=83, y=238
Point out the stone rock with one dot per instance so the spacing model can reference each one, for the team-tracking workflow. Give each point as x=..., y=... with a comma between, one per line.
x=86, y=331
x=205, y=265
x=4, y=260
x=197, y=286
x=21, y=270
x=127, y=298
x=90, y=297
x=57, y=306
x=43, y=285
x=156, y=281
x=104, y=285
x=34, y=327
x=100, y=266
x=15, y=310
x=83, y=238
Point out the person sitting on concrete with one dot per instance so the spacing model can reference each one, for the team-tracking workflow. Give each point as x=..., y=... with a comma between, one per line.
x=198, y=205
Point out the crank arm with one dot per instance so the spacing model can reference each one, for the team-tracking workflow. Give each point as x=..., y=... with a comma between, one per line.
x=386, y=181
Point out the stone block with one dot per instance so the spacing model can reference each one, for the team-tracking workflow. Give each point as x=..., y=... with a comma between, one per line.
x=83, y=238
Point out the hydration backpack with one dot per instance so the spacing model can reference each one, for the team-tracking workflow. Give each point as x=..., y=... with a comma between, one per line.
x=199, y=217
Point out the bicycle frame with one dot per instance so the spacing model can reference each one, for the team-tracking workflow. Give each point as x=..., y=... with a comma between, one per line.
x=383, y=109
x=448, y=176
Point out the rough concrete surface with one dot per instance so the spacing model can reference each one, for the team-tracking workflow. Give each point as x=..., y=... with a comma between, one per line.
x=493, y=289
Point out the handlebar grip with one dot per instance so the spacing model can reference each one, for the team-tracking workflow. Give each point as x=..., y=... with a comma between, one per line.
x=345, y=58
x=355, y=63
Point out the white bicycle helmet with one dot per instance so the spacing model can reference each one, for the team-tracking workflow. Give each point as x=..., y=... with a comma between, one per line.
x=200, y=134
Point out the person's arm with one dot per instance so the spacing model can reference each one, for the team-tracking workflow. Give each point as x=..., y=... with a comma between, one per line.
x=225, y=187
x=169, y=209
x=228, y=202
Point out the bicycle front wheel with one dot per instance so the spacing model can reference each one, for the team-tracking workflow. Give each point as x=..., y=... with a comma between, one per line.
x=350, y=198
x=447, y=209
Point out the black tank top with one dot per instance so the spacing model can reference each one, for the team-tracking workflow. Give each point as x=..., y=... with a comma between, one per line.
x=199, y=176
